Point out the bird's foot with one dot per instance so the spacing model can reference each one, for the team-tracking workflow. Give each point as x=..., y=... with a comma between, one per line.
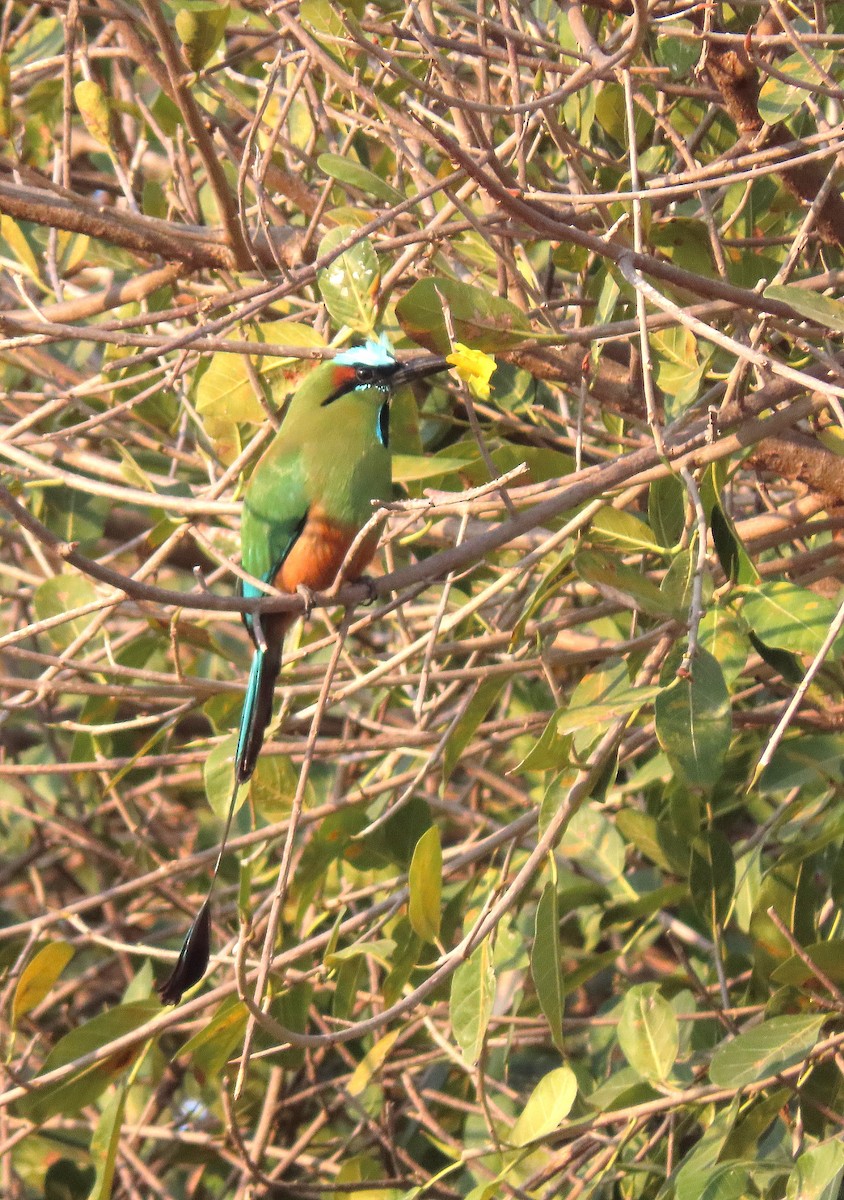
x=307, y=595
x=371, y=590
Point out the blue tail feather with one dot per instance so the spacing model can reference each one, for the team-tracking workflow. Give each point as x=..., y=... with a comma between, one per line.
x=257, y=708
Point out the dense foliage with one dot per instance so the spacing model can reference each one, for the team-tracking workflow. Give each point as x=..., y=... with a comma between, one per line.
x=538, y=889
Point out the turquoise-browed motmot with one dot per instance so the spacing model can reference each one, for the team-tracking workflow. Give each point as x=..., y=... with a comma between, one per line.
x=309, y=497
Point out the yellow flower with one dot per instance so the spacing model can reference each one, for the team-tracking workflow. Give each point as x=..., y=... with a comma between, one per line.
x=474, y=367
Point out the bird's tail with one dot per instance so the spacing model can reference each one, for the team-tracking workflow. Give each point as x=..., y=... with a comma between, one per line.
x=257, y=708
x=257, y=711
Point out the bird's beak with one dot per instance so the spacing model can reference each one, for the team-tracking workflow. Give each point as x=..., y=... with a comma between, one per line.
x=418, y=368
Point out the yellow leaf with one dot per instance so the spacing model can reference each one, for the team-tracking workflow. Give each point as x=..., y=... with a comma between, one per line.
x=39, y=976
x=370, y=1063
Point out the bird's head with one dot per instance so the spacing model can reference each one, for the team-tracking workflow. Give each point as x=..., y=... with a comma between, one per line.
x=367, y=376
x=374, y=366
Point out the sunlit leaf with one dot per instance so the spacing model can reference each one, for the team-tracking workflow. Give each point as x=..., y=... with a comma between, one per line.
x=647, y=1032
x=472, y=994
x=772, y=1046
x=548, y=1106
x=425, y=884
x=38, y=977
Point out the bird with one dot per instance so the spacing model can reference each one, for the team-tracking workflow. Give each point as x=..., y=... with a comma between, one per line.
x=309, y=497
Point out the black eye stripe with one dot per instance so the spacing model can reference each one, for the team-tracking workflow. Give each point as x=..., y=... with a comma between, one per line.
x=364, y=377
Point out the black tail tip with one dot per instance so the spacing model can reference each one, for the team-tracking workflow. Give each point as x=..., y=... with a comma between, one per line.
x=192, y=962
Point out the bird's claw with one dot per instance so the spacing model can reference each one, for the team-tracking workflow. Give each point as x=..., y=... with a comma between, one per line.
x=308, y=597
x=258, y=635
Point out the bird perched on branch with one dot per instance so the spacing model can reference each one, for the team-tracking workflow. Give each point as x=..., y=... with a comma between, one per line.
x=308, y=499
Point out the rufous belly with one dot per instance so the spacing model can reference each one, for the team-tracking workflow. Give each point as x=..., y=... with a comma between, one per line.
x=315, y=558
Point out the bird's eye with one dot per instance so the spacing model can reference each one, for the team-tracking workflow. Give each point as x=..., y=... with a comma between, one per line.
x=365, y=375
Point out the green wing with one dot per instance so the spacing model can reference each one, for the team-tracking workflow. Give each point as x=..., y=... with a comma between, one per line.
x=275, y=508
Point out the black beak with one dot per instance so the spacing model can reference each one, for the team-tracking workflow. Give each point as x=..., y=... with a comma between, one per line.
x=418, y=368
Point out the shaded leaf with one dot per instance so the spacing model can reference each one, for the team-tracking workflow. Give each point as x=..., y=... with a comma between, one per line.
x=84, y=1086
x=476, y=710
x=481, y=320
x=712, y=876
x=694, y=722
x=667, y=510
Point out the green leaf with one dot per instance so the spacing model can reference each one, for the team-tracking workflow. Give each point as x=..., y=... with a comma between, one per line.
x=210, y=1049
x=667, y=510
x=827, y=956
x=734, y=559
x=723, y=1181
x=624, y=530
x=595, y=844
x=224, y=394
x=200, y=25
x=700, y=1163
x=817, y=1173
x=38, y=977
x=480, y=319
x=470, y=1006
x=643, y=831
x=694, y=723
x=61, y=594
x=648, y=1032
x=712, y=876
x=350, y=173
x=779, y=101
x=783, y=662
x=721, y=634
x=545, y=964
x=348, y=286
x=789, y=617
x=273, y=786
x=772, y=1046
x=548, y=1105
x=84, y=1086
x=72, y=515
x=616, y=581
x=105, y=1142
x=597, y=717
x=218, y=777
x=678, y=369
x=476, y=710
x=411, y=468
x=346, y=987
x=823, y=310
x=66, y=1180
x=425, y=884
